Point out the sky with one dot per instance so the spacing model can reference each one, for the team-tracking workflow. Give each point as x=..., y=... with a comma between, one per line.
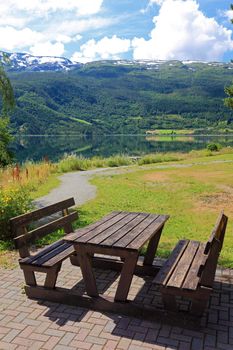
x=90, y=30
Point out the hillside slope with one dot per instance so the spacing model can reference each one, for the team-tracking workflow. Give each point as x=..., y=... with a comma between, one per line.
x=121, y=97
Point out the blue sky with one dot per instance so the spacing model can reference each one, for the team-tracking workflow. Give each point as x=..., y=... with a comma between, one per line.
x=88, y=30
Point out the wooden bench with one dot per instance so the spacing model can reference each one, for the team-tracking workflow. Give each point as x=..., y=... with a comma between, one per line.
x=190, y=270
x=49, y=259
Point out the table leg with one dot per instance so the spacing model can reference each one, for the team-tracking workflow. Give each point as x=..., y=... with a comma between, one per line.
x=126, y=276
x=152, y=247
x=87, y=272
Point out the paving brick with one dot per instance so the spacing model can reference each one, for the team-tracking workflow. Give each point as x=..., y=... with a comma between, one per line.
x=51, y=343
x=67, y=338
x=29, y=324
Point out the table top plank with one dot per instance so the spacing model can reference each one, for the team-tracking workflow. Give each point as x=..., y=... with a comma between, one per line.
x=137, y=231
x=126, y=230
x=111, y=240
x=139, y=240
x=82, y=231
x=110, y=232
x=89, y=236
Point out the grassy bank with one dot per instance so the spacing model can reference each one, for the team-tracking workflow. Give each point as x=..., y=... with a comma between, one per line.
x=192, y=194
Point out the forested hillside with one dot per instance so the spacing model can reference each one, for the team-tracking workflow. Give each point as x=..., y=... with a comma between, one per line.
x=122, y=97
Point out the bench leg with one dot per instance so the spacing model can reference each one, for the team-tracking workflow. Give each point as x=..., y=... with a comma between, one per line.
x=51, y=277
x=169, y=301
x=30, y=278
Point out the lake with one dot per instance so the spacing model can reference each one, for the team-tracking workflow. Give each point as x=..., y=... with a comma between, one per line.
x=55, y=147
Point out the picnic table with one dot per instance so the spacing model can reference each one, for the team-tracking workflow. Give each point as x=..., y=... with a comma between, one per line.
x=189, y=271
x=120, y=234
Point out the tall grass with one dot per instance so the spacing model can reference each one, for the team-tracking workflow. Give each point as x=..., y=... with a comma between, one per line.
x=16, y=187
x=72, y=162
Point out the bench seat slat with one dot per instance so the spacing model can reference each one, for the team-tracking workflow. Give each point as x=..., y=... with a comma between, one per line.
x=65, y=253
x=192, y=279
x=31, y=258
x=48, y=258
x=182, y=267
x=169, y=266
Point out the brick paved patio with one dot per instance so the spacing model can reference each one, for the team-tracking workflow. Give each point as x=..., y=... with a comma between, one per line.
x=31, y=324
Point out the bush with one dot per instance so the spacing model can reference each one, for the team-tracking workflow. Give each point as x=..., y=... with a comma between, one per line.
x=213, y=147
x=13, y=202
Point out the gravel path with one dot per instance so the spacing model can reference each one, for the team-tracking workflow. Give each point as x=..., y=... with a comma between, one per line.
x=74, y=184
x=77, y=185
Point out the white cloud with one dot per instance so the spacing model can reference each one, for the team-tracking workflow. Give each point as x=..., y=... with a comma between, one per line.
x=47, y=49
x=229, y=14
x=106, y=48
x=182, y=31
x=11, y=39
x=75, y=27
x=40, y=7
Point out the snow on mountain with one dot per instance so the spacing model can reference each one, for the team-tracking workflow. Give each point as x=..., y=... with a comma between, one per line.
x=27, y=62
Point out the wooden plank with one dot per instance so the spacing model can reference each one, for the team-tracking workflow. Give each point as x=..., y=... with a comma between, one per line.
x=45, y=250
x=89, y=236
x=152, y=247
x=54, y=256
x=218, y=231
x=192, y=279
x=116, y=265
x=59, y=258
x=82, y=231
x=167, y=269
x=87, y=272
x=126, y=277
x=41, y=231
x=51, y=277
x=183, y=265
x=138, y=241
x=125, y=241
x=42, y=212
x=107, y=304
x=119, y=230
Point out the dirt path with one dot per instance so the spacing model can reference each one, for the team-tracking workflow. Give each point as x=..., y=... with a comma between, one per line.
x=77, y=185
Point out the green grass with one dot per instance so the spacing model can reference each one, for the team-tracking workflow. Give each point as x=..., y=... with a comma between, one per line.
x=193, y=202
x=192, y=194
x=51, y=183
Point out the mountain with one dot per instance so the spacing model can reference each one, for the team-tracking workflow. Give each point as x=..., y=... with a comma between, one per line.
x=25, y=62
x=118, y=96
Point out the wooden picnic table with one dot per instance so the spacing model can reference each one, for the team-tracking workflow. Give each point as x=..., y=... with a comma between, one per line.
x=120, y=234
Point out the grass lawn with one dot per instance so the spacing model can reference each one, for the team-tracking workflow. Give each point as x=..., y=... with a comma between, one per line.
x=192, y=190
x=193, y=196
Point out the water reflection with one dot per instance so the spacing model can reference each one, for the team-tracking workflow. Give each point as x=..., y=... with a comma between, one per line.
x=54, y=147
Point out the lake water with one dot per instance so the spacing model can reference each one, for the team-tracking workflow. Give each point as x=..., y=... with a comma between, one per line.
x=54, y=147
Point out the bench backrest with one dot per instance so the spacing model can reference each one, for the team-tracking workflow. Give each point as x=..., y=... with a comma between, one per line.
x=212, y=250
x=19, y=225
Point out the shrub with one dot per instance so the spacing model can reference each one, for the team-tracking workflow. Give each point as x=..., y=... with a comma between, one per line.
x=213, y=147
x=13, y=202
